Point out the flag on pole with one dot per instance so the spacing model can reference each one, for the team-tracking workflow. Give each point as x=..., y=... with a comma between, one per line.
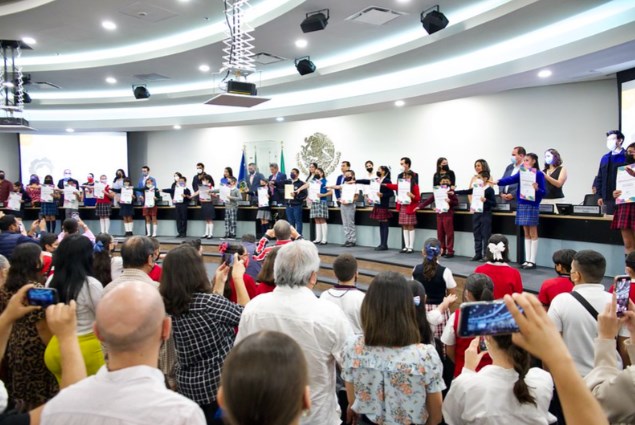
x=282, y=170
x=242, y=174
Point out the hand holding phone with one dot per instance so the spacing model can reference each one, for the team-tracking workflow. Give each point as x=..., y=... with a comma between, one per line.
x=622, y=291
x=42, y=297
x=485, y=318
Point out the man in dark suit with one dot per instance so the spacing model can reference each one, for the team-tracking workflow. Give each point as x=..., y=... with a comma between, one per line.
x=62, y=183
x=254, y=177
x=340, y=179
x=276, y=184
x=508, y=193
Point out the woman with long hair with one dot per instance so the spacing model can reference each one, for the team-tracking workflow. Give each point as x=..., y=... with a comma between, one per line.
x=73, y=280
x=390, y=376
x=268, y=371
x=380, y=212
x=228, y=250
x=507, y=391
x=506, y=279
x=265, y=279
x=555, y=178
x=106, y=267
x=203, y=322
x=443, y=170
x=30, y=384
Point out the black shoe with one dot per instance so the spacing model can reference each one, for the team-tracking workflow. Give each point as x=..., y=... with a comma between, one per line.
x=209, y=237
x=404, y=250
x=324, y=243
x=449, y=255
x=477, y=258
x=410, y=251
x=381, y=248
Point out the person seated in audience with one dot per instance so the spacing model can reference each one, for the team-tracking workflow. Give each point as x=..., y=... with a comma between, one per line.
x=265, y=279
x=539, y=336
x=282, y=232
x=345, y=294
x=550, y=288
x=423, y=323
x=204, y=322
x=506, y=279
x=390, y=376
x=70, y=226
x=478, y=287
x=196, y=244
x=268, y=371
x=4, y=269
x=228, y=250
x=106, y=267
x=155, y=272
x=132, y=322
x=319, y=327
x=137, y=255
x=48, y=243
x=630, y=270
x=72, y=279
x=612, y=387
x=10, y=236
x=505, y=392
x=248, y=240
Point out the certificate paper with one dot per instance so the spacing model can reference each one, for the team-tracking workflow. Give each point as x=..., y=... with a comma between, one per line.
x=149, y=199
x=314, y=190
x=440, y=199
x=527, y=180
x=178, y=194
x=69, y=196
x=126, y=195
x=100, y=189
x=46, y=195
x=403, y=188
x=288, y=191
x=625, y=183
x=348, y=193
x=223, y=192
x=263, y=196
x=204, y=194
x=373, y=191
x=14, y=201
x=478, y=191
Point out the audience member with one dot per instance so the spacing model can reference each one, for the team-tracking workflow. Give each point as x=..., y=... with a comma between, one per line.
x=10, y=236
x=390, y=376
x=137, y=255
x=268, y=372
x=506, y=279
x=48, y=243
x=265, y=279
x=131, y=321
x=156, y=270
x=196, y=244
x=228, y=250
x=630, y=270
x=604, y=182
x=320, y=328
x=106, y=267
x=345, y=294
x=550, y=288
x=282, y=232
x=70, y=226
x=204, y=323
x=4, y=269
x=248, y=240
x=423, y=323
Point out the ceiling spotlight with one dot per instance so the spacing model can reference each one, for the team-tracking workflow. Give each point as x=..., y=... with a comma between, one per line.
x=433, y=20
x=109, y=25
x=315, y=21
x=301, y=43
x=399, y=103
x=176, y=127
x=111, y=80
x=304, y=65
x=280, y=119
x=140, y=92
x=70, y=130
x=204, y=68
x=545, y=73
x=29, y=40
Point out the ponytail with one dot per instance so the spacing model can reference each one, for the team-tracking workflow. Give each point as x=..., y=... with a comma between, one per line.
x=480, y=286
x=521, y=361
x=431, y=251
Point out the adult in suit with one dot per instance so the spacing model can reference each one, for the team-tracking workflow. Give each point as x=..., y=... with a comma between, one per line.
x=67, y=178
x=276, y=184
x=604, y=182
x=508, y=193
x=405, y=164
x=254, y=177
x=340, y=179
x=197, y=179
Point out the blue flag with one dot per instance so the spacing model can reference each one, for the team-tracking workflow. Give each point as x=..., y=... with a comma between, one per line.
x=242, y=174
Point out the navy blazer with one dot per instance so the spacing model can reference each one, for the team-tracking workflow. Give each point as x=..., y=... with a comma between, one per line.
x=278, y=188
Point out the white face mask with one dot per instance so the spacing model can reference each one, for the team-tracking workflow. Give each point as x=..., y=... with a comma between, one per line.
x=199, y=170
x=513, y=159
x=548, y=159
x=150, y=186
x=104, y=181
x=611, y=143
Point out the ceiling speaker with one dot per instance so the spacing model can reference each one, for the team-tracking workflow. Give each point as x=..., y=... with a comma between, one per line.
x=434, y=21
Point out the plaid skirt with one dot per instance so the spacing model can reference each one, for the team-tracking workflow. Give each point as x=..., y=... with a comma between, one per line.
x=49, y=208
x=209, y=212
x=319, y=210
x=263, y=214
x=406, y=219
x=380, y=213
x=126, y=210
x=624, y=217
x=103, y=210
x=527, y=215
x=437, y=330
x=150, y=212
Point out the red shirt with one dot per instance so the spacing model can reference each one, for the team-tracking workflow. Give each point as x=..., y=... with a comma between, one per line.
x=461, y=345
x=155, y=273
x=411, y=208
x=106, y=199
x=250, y=286
x=631, y=294
x=552, y=287
x=506, y=279
x=5, y=187
x=262, y=249
x=47, y=262
x=264, y=288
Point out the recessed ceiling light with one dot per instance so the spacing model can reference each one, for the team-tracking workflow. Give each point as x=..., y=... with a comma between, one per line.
x=204, y=68
x=301, y=43
x=70, y=130
x=545, y=73
x=29, y=40
x=399, y=103
x=176, y=127
x=280, y=119
x=109, y=25
x=7, y=84
x=111, y=80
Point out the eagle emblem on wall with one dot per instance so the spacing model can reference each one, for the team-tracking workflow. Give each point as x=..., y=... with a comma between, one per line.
x=320, y=149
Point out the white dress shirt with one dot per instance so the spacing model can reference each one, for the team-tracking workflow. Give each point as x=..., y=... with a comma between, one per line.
x=487, y=398
x=134, y=395
x=349, y=299
x=319, y=327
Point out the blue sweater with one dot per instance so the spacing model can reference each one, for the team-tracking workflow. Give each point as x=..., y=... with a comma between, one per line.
x=604, y=182
x=515, y=179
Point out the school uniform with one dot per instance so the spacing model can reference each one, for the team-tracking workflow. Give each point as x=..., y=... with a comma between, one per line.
x=294, y=205
x=482, y=222
x=103, y=206
x=445, y=223
x=320, y=209
x=527, y=213
x=49, y=208
x=181, y=210
x=25, y=198
x=150, y=212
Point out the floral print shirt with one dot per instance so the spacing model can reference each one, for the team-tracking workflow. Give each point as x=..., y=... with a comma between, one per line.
x=391, y=383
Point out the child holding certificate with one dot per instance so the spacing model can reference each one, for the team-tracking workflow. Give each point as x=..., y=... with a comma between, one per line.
x=149, y=198
x=126, y=210
x=34, y=190
x=380, y=212
x=180, y=198
x=72, y=197
x=16, y=198
x=49, y=198
x=445, y=201
x=103, y=205
x=319, y=206
x=205, y=195
x=624, y=215
x=407, y=208
x=531, y=189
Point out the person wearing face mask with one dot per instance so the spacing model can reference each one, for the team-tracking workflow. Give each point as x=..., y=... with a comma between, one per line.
x=71, y=204
x=380, y=212
x=68, y=178
x=89, y=191
x=346, y=165
x=145, y=175
x=180, y=198
x=320, y=209
x=49, y=210
x=5, y=187
x=198, y=177
x=34, y=190
x=555, y=177
x=443, y=170
x=150, y=212
x=405, y=163
x=369, y=166
x=126, y=210
x=347, y=210
x=508, y=192
x=624, y=213
x=205, y=195
x=294, y=205
x=117, y=184
x=408, y=212
x=103, y=206
x=604, y=182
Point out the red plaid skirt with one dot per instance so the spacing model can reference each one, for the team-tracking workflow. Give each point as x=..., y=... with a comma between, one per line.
x=150, y=212
x=624, y=217
x=437, y=330
x=379, y=213
x=406, y=219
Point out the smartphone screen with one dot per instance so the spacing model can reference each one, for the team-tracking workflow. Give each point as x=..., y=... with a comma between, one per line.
x=43, y=297
x=228, y=259
x=481, y=344
x=622, y=291
x=485, y=318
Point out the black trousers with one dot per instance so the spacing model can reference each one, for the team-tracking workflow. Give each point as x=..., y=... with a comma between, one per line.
x=181, y=218
x=482, y=228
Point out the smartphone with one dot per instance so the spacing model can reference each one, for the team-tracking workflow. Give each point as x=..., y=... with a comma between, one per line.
x=43, y=297
x=622, y=291
x=228, y=259
x=485, y=318
x=75, y=216
x=481, y=344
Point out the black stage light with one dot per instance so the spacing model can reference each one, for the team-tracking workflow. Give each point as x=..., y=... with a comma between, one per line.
x=315, y=21
x=140, y=92
x=433, y=20
x=304, y=65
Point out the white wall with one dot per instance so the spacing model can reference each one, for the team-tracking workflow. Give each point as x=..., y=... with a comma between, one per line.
x=571, y=118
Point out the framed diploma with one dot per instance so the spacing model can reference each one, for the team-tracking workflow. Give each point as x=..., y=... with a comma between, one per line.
x=288, y=191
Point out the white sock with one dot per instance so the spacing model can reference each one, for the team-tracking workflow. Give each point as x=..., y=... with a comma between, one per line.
x=131, y=226
x=148, y=229
x=534, y=250
x=101, y=225
x=318, y=233
x=126, y=227
x=154, y=229
x=412, y=239
x=106, y=225
x=406, y=238
x=324, y=232
x=528, y=250
x=210, y=227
